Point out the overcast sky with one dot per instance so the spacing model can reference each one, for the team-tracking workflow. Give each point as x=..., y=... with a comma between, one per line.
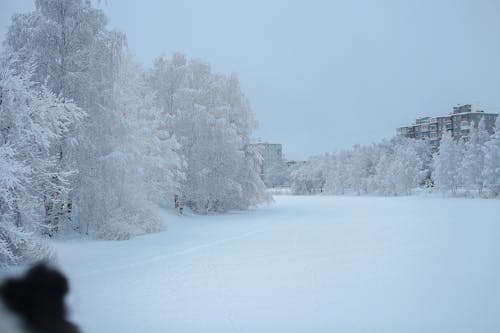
x=324, y=75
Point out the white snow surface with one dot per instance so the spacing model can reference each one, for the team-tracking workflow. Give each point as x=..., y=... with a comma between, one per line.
x=302, y=264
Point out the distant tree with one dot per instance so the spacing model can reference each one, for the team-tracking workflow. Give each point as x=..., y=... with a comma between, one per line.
x=491, y=171
x=447, y=162
x=362, y=168
x=383, y=181
x=471, y=171
x=310, y=177
x=337, y=175
x=392, y=167
x=409, y=165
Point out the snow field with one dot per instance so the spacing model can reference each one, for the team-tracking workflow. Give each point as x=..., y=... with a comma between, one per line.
x=303, y=264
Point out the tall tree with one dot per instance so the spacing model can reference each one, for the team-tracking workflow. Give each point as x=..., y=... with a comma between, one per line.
x=33, y=122
x=79, y=58
x=213, y=121
x=145, y=152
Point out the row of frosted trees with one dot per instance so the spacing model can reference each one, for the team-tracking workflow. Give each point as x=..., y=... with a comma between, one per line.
x=92, y=142
x=402, y=166
x=472, y=167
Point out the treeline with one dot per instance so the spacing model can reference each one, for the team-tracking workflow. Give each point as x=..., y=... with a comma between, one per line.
x=92, y=142
x=402, y=166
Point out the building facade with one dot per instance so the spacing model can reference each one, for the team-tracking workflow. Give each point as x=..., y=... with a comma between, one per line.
x=459, y=123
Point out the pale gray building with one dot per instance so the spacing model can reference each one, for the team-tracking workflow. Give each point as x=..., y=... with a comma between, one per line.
x=459, y=123
x=272, y=160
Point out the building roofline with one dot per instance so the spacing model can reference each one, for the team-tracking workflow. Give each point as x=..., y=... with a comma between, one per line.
x=449, y=116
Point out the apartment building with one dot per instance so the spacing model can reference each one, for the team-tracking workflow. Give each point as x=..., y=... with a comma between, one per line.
x=459, y=123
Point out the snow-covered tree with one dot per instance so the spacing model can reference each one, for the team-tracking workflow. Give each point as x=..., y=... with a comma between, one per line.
x=471, y=171
x=212, y=121
x=338, y=174
x=361, y=168
x=383, y=182
x=491, y=171
x=73, y=50
x=79, y=58
x=33, y=183
x=17, y=242
x=143, y=152
x=390, y=168
x=310, y=177
x=446, y=164
x=409, y=166
x=151, y=141
x=403, y=164
x=253, y=189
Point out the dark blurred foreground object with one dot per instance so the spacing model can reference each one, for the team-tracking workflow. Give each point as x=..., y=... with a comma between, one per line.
x=37, y=301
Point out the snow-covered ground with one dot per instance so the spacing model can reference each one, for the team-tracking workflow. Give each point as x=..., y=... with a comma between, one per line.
x=302, y=264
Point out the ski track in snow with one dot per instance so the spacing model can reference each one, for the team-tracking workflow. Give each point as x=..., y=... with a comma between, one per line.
x=187, y=251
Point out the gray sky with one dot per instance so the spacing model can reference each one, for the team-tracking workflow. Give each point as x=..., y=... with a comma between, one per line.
x=324, y=75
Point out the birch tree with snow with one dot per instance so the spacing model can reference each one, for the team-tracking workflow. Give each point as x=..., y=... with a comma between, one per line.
x=33, y=182
x=79, y=58
x=212, y=120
